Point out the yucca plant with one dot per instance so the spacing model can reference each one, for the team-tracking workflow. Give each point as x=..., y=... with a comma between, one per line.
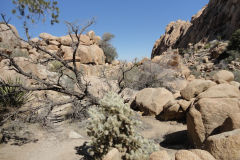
x=11, y=95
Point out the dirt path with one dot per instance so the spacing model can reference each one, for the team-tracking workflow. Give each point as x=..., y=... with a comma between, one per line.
x=58, y=144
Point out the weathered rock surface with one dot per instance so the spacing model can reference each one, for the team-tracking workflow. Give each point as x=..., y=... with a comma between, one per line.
x=218, y=18
x=113, y=154
x=202, y=154
x=196, y=87
x=225, y=146
x=152, y=100
x=186, y=155
x=172, y=111
x=7, y=37
x=221, y=91
x=160, y=155
x=47, y=36
x=173, y=32
x=223, y=76
x=207, y=116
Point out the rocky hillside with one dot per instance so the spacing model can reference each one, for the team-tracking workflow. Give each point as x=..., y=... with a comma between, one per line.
x=219, y=19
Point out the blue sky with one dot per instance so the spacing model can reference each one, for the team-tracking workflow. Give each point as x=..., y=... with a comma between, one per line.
x=136, y=24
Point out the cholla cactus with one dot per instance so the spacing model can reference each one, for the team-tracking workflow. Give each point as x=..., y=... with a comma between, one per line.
x=112, y=125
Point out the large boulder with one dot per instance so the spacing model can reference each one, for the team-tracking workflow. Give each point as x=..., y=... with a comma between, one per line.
x=99, y=86
x=196, y=87
x=207, y=116
x=86, y=54
x=9, y=36
x=194, y=154
x=159, y=155
x=152, y=100
x=221, y=91
x=47, y=37
x=68, y=40
x=224, y=146
x=91, y=54
x=223, y=76
x=186, y=155
x=202, y=154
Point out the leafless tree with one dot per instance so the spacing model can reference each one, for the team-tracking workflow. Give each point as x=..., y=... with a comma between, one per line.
x=77, y=77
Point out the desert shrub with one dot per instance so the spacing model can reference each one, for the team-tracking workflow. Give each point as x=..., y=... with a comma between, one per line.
x=233, y=50
x=11, y=95
x=234, y=43
x=112, y=125
x=237, y=75
x=207, y=46
x=232, y=55
x=108, y=49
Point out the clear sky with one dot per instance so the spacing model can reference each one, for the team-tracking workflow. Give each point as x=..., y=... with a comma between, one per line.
x=136, y=24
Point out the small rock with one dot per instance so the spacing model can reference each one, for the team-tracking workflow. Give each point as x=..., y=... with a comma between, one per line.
x=74, y=135
x=113, y=154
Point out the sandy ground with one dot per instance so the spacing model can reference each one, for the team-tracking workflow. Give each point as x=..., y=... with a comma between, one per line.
x=57, y=145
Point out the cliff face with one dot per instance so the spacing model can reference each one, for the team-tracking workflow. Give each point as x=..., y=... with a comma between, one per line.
x=220, y=18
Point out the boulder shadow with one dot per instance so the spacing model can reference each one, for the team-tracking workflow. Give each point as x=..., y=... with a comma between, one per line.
x=177, y=140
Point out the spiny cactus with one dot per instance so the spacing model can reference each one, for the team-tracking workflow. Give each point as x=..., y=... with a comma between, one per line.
x=112, y=126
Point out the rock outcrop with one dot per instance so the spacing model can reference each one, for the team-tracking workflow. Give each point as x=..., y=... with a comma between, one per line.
x=220, y=18
x=173, y=32
x=225, y=146
x=152, y=100
x=8, y=36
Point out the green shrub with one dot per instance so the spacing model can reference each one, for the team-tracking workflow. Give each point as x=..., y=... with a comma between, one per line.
x=112, y=125
x=207, y=46
x=237, y=75
x=12, y=96
x=108, y=49
x=234, y=43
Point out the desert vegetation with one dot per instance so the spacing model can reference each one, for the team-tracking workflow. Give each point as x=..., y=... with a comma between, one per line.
x=69, y=97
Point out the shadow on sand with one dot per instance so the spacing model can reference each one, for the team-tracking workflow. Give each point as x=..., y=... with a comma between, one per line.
x=177, y=140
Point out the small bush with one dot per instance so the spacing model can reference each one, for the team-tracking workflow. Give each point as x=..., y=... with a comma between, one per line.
x=237, y=75
x=207, y=46
x=234, y=43
x=12, y=96
x=112, y=125
x=108, y=49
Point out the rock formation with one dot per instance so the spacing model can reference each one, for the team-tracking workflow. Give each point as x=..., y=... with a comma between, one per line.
x=219, y=19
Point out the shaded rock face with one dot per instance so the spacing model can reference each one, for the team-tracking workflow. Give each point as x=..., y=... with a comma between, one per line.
x=220, y=18
x=172, y=33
